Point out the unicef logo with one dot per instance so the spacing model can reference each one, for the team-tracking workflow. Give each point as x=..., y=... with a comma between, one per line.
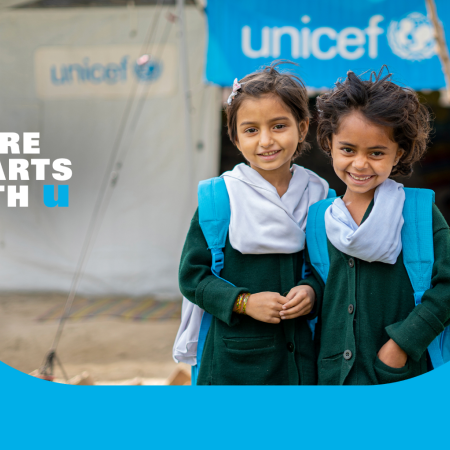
x=149, y=71
x=412, y=38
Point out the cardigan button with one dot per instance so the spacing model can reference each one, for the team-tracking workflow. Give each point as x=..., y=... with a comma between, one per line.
x=350, y=309
x=351, y=262
x=347, y=355
x=290, y=346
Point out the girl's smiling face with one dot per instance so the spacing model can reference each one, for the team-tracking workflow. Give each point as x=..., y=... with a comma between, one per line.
x=363, y=153
x=268, y=133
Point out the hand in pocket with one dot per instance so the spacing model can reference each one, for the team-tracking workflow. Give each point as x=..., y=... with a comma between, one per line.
x=392, y=355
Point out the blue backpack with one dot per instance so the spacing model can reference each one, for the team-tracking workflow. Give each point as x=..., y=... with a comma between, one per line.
x=418, y=252
x=214, y=217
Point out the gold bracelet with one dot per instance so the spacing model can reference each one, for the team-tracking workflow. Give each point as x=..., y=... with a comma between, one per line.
x=239, y=305
x=247, y=296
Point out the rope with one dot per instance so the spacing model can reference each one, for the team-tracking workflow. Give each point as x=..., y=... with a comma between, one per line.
x=109, y=179
x=143, y=98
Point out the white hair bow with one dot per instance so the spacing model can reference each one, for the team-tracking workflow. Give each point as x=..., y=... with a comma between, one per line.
x=236, y=87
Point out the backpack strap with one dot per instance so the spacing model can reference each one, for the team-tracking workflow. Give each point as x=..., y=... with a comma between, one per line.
x=306, y=271
x=417, y=239
x=203, y=332
x=418, y=251
x=214, y=217
x=316, y=237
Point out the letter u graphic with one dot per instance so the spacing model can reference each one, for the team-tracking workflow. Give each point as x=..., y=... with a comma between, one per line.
x=62, y=192
x=247, y=49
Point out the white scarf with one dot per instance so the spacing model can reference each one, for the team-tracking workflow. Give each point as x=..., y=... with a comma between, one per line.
x=261, y=222
x=378, y=238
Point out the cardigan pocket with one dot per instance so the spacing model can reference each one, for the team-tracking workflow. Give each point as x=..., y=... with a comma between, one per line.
x=250, y=343
x=387, y=374
x=250, y=361
x=330, y=369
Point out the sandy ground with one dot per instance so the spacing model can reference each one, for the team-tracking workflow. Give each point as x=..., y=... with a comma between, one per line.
x=108, y=348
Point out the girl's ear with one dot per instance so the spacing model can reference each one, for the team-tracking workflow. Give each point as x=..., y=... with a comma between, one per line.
x=303, y=127
x=398, y=156
x=330, y=146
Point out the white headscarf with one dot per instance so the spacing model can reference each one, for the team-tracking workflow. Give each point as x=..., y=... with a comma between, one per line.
x=262, y=222
x=378, y=238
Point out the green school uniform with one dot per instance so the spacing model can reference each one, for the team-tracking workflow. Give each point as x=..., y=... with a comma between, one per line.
x=238, y=348
x=365, y=304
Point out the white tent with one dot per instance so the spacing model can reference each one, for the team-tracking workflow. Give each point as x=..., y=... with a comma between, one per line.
x=67, y=74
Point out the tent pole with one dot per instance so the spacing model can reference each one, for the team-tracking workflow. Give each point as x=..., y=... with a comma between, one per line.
x=186, y=99
x=440, y=43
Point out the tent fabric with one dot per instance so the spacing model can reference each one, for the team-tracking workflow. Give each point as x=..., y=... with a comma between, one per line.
x=139, y=243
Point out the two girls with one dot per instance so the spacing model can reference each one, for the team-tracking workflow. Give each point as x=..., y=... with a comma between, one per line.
x=369, y=330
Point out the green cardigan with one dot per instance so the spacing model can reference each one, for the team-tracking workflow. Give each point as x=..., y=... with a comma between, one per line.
x=238, y=348
x=364, y=304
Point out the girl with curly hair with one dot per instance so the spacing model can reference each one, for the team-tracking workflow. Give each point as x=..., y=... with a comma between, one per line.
x=369, y=329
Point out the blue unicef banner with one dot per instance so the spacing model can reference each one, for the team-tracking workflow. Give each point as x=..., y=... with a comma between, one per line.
x=326, y=38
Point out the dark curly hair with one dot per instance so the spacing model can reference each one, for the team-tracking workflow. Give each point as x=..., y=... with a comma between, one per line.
x=268, y=80
x=382, y=102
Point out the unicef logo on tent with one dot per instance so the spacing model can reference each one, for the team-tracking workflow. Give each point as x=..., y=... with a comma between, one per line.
x=412, y=38
x=150, y=71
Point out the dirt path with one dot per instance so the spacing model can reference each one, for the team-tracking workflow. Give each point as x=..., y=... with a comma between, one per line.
x=108, y=348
